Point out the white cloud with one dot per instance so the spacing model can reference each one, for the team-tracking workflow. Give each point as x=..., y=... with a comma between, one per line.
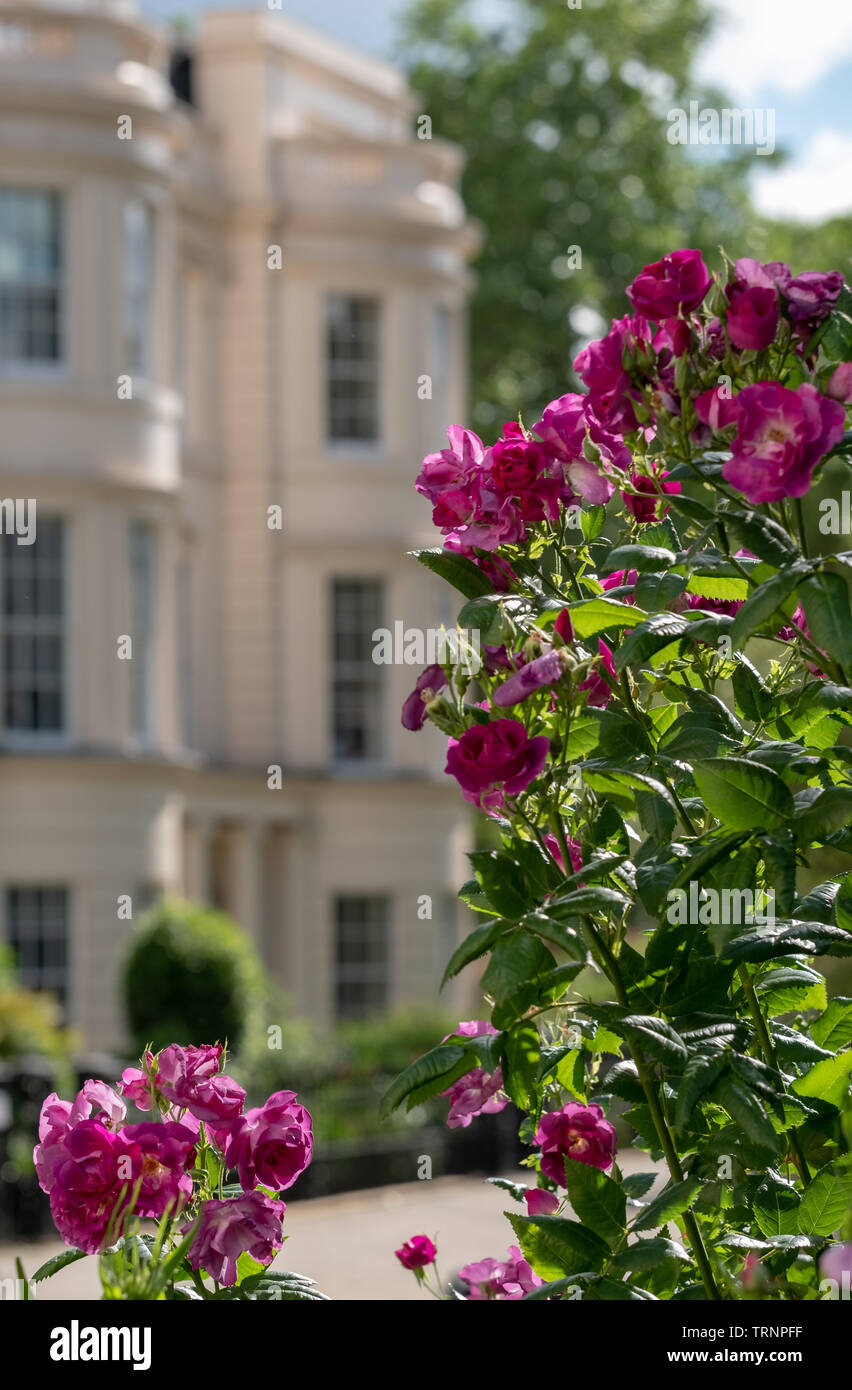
x=813, y=186
x=778, y=43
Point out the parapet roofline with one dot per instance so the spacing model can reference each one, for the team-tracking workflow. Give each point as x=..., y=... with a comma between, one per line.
x=274, y=30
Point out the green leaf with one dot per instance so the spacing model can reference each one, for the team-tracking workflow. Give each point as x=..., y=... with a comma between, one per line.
x=475, y=944
x=555, y=1246
x=518, y=958
x=829, y=811
x=522, y=1051
x=765, y=537
x=765, y=601
x=635, y=1185
x=283, y=1287
x=673, y=1200
x=701, y=1072
x=591, y=616
x=833, y=1029
x=654, y=1036
x=742, y=794
x=599, y=1202
x=55, y=1263
x=457, y=570
x=747, y=1111
x=649, y=637
x=501, y=883
x=825, y=599
x=827, y=1081
x=776, y=1209
x=639, y=557
x=656, y=591
x=443, y=1065
x=826, y=1202
x=647, y=1254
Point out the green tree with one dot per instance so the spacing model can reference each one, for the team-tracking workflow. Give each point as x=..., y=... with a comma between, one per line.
x=563, y=116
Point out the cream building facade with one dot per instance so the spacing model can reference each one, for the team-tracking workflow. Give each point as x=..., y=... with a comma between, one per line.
x=224, y=279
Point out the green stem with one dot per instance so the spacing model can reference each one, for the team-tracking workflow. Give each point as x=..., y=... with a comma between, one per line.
x=770, y=1057
x=647, y=1082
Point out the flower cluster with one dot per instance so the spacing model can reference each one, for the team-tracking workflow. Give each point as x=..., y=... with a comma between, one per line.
x=99, y=1171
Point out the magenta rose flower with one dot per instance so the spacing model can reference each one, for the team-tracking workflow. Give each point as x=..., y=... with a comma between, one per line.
x=429, y=683
x=188, y=1077
x=85, y=1185
x=576, y=1131
x=781, y=437
x=271, y=1145
x=135, y=1084
x=752, y=316
x=544, y=670
x=563, y=429
x=251, y=1223
x=600, y=366
x=95, y=1100
x=520, y=469
x=160, y=1155
x=540, y=1202
x=453, y=469
x=496, y=759
x=811, y=297
x=839, y=385
x=574, y=851
x=646, y=504
x=416, y=1253
x=478, y=1092
x=674, y=285
x=500, y=1279
x=600, y=691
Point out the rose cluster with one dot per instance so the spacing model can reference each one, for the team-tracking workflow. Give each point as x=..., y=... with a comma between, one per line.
x=99, y=1171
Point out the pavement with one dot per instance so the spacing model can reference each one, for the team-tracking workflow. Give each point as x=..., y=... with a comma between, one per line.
x=346, y=1242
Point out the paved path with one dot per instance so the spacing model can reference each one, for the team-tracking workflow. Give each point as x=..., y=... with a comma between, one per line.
x=346, y=1242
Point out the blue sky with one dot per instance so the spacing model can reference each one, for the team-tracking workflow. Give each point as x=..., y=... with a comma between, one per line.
x=793, y=58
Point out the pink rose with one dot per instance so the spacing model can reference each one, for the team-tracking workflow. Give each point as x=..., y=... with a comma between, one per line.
x=674, y=285
x=271, y=1145
x=496, y=759
x=478, y=1092
x=429, y=683
x=781, y=437
x=160, y=1155
x=521, y=470
x=576, y=1131
x=188, y=1077
x=600, y=691
x=85, y=1185
x=500, y=1279
x=135, y=1084
x=540, y=1202
x=612, y=395
x=646, y=503
x=752, y=316
x=251, y=1223
x=840, y=383
x=416, y=1253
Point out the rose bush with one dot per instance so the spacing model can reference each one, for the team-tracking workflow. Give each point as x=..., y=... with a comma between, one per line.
x=664, y=791
x=214, y=1239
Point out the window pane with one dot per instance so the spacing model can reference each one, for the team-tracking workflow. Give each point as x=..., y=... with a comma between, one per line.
x=361, y=956
x=357, y=607
x=142, y=597
x=30, y=275
x=352, y=368
x=37, y=928
x=33, y=651
x=138, y=283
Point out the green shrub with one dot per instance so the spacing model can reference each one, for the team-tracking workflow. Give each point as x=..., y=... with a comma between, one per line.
x=191, y=976
x=30, y=1022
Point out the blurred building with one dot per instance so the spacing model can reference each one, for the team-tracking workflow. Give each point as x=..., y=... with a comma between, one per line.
x=224, y=276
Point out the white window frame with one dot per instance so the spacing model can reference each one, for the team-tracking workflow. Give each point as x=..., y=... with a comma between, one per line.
x=357, y=368
x=358, y=669
x=24, y=625
x=363, y=973
x=22, y=366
